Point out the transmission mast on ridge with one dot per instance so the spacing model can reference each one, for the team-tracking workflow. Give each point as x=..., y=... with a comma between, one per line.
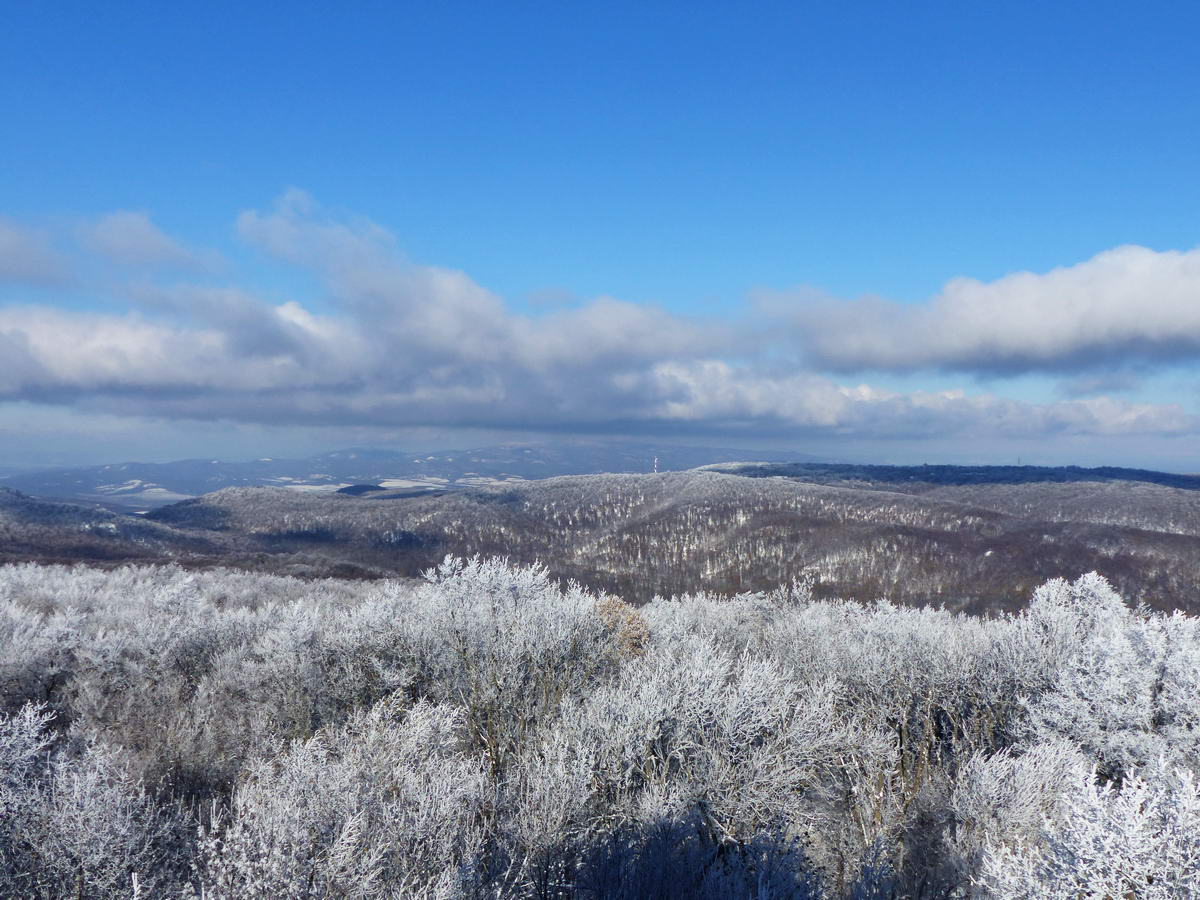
x=656, y=465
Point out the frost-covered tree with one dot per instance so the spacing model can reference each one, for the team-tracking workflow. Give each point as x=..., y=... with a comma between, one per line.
x=1104, y=690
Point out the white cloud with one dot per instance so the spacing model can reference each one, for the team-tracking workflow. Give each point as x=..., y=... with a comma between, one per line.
x=439, y=313
x=716, y=391
x=397, y=344
x=1123, y=306
x=324, y=371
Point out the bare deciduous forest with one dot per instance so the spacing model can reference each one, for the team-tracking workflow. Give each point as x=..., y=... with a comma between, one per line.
x=971, y=539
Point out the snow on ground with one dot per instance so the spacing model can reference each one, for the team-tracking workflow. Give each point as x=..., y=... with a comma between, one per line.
x=131, y=485
x=406, y=482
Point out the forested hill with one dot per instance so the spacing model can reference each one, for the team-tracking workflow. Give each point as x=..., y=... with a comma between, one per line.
x=969, y=545
x=641, y=535
x=45, y=530
x=1132, y=498
x=916, y=478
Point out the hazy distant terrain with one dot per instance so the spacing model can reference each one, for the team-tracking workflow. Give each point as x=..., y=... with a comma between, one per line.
x=134, y=486
x=925, y=477
x=955, y=539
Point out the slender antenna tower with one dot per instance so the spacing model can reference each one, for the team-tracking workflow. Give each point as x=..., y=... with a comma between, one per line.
x=656, y=465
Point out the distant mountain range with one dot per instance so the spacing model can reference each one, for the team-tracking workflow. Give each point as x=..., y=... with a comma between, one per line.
x=137, y=487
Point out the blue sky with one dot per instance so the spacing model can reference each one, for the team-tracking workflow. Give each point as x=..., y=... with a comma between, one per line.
x=752, y=186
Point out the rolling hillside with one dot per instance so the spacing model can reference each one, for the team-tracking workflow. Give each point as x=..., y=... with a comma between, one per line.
x=960, y=541
x=641, y=535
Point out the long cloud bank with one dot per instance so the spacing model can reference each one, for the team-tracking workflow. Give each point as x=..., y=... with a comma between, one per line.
x=394, y=344
x=1127, y=306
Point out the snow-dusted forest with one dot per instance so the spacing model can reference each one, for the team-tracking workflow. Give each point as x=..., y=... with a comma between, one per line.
x=487, y=733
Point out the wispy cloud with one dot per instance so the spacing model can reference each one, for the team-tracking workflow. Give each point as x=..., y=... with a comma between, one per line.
x=1101, y=383
x=131, y=238
x=28, y=256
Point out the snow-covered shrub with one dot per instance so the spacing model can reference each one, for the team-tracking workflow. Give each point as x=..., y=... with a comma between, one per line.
x=387, y=803
x=489, y=733
x=1141, y=840
x=1005, y=799
x=37, y=650
x=1176, y=693
x=728, y=743
x=506, y=644
x=78, y=825
x=192, y=674
x=24, y=760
